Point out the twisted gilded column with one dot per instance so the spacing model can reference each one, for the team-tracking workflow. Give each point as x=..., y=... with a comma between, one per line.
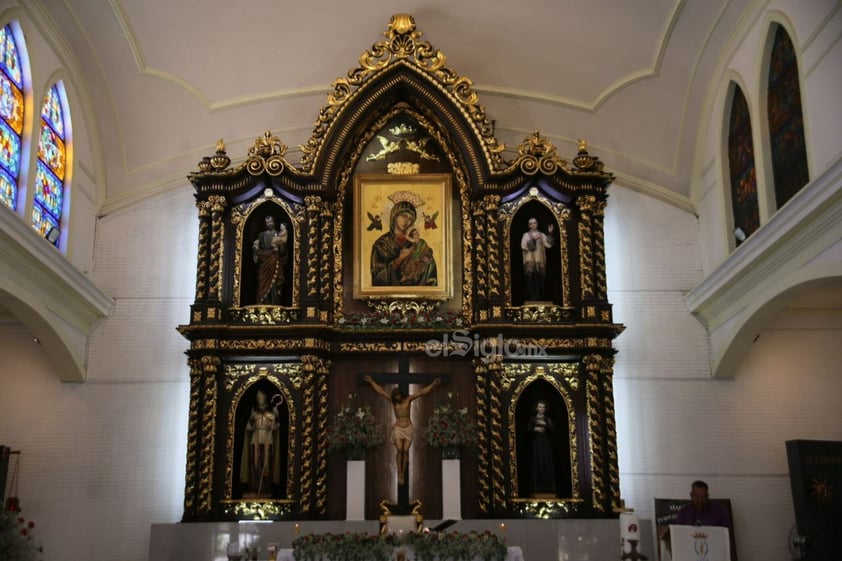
x=209, y=367
x=499, y=479
x=607, y=376
x=586, y=267
x=484, y=441
x=204, y=251
x=478, y=243
x=495, y=272
x=598, y=234
x=325, y=262
x=313, y=458
x=193, y=444
x=217, y=207
x=313, y=205
x=313, y=485
x=593, y=364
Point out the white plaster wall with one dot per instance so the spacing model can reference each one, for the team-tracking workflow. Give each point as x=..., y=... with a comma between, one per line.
x=49, y=61
x=675, y=423
x=103, y=460
x=816, y=29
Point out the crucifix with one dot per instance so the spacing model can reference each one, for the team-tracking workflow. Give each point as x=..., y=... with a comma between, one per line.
x=401, y=400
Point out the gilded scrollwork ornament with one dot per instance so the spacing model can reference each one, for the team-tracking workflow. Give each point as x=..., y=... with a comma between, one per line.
x=267, y=155
x=265, y=315
x=539, y=313
x=537, y=154
x=265, y=509
x=403, y=44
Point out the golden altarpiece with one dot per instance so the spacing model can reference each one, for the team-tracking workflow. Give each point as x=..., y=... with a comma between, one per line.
x=402, y=156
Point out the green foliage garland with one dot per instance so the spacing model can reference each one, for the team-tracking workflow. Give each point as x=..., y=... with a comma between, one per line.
x=450, y=546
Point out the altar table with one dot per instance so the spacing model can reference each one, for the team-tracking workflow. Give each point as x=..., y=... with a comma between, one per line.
x=513, y=553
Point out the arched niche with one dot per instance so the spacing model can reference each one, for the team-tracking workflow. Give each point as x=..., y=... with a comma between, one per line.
x=552, y=283
x=255, y=225
x=530, y=446
x=273, y=483
x=250, y=223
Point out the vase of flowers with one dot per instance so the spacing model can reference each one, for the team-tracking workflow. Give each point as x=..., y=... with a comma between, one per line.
x=354, y=430
x=17, y=539
x=451, y=428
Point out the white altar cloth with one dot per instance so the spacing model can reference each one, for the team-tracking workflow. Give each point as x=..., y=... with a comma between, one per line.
x=513, y=553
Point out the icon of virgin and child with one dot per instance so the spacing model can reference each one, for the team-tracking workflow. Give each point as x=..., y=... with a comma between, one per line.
x=401, y=257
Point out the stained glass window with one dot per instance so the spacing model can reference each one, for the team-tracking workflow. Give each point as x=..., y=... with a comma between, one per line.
x=786, y=123
x=741, y=167
x=52, y=159
x=11, y=115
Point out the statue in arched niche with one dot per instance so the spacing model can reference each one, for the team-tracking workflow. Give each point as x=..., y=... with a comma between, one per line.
x=543, y=443
x=542, y=469
x=267, y=264
x=263, y=450
x=534, y=244
x=535, y=262
x=269, y=252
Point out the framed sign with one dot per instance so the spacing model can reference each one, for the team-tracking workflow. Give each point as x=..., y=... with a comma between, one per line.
x=402, y=236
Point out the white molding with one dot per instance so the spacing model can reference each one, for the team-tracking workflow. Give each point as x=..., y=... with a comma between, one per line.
x=50, y=296
x=795, y=235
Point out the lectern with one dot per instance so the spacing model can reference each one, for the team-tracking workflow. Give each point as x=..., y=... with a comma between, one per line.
x=691, y=543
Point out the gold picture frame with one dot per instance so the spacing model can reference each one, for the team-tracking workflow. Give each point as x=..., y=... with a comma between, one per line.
x=386, y=210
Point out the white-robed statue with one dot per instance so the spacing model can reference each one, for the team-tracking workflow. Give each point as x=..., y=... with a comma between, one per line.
x=261, y=458
x=534, y=244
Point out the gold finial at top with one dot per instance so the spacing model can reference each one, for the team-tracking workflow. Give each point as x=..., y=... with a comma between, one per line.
x=402, y=24
x=220, y=146
x=583, y=145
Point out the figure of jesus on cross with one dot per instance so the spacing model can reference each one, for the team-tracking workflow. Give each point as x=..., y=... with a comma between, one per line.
x=402, y=430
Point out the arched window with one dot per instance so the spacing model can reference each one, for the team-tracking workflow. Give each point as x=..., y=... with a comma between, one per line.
x=741, y=168
x=786, y=123
x=52, y=159
x=11, y=112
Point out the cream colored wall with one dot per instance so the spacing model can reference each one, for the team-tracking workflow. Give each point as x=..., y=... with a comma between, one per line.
x=675, y=423
x=50, y=61
x=105, y=459
x=815, y=29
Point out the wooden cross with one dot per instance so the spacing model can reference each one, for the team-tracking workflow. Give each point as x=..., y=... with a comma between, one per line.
x=403, y=378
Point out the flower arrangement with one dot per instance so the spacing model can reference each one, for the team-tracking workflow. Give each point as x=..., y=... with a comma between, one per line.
x=451, y=426
x=427, y=546
x=354, y=427
x=342, y=547
x=17, y=539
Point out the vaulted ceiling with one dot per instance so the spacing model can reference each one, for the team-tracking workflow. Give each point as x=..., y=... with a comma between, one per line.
x=167, y=78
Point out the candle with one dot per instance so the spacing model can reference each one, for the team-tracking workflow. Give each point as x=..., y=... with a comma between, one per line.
x=629, y=530
x=503, y=529
x=297, y=529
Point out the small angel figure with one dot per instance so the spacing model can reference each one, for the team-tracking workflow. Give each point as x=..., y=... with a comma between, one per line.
x=376, y=222
x=430, y=221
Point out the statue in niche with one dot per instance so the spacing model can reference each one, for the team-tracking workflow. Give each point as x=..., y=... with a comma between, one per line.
x=534, y=245
x=260, y=464
x=542, y=472
x=270, y=254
